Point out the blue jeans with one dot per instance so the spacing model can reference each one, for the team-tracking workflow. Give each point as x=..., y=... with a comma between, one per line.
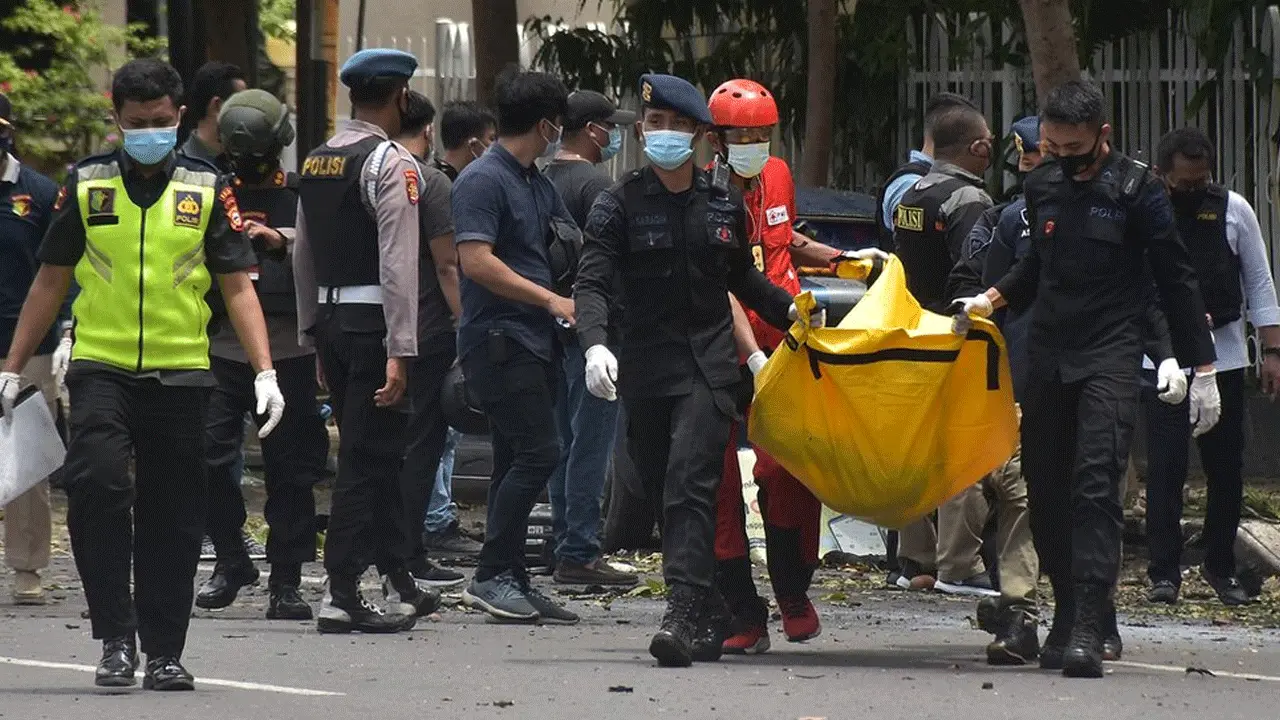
x=441, y=512
x=588, y=426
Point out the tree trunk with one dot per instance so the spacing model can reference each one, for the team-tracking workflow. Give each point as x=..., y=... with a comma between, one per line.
x=815, y=165
x=228, y=26
x=1051, y=37
x=495, y=40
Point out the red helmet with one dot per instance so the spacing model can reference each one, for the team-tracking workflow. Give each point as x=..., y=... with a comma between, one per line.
x=743, y=103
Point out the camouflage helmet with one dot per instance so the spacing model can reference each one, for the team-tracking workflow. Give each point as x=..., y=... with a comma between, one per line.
x=254, y=122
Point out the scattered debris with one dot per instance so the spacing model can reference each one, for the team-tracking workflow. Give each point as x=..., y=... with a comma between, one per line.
x=621, y=689
x=72, y=626
x=988, y=685
x=1200, y=671
x=809, y=677
x=503, y=703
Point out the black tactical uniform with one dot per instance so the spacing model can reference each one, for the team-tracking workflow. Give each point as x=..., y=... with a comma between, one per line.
x=1091, y=242
x=294, y=455
x=679, y=255
x=1204, y=231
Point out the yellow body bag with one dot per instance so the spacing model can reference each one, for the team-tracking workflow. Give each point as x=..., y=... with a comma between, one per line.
x=889, y=414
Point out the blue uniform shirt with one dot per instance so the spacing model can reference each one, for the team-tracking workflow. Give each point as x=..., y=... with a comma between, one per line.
x=896, y=189
x=499, y=201
x=26, y=205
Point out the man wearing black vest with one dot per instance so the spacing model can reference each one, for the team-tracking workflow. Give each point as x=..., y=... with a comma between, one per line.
x=1222, y=234
x=930, y=226
x=355, y=264
x=254, y=129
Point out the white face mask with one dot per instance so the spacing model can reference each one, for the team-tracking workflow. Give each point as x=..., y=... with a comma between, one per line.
x=748, y=159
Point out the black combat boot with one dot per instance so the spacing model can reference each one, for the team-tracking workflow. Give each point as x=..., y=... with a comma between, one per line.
x=1083, y=657
x=1017, y=642
x=713, y=628
x=1064, y=614
x=1112, y=645
x=672, y=645
x=229, y=576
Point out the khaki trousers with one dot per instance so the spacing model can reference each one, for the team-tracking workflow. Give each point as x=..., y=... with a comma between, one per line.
x=27, y=528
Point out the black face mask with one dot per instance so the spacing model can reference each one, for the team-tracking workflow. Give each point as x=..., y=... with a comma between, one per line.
x=255, y=169
x=1189, y=199
x=1073, y=165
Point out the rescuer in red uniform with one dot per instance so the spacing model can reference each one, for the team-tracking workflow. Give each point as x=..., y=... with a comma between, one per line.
x=745, y=115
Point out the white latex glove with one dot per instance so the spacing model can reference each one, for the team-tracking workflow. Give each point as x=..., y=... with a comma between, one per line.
x=602, y=373
x=978, y=305
x=817, y=318
x=756, y=361
x=62, y=360
x=1171, y=382
x=10, y=384
x=865, y=254
x=1206, y=403
x=270, y=400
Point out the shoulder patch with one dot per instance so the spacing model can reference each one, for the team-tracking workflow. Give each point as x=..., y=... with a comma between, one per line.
x=777, y=215
x=231, y=209
x=909, y=218
x=21, y=205
x=411, y=185
x=61, y=200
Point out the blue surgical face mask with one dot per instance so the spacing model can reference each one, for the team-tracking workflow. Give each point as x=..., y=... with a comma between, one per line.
x=668, y=149
x=150, y=145
x=608, y=152
x=553, y=145
x=749, y=159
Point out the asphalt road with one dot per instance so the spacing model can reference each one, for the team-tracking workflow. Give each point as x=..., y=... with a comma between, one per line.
x=896, y=655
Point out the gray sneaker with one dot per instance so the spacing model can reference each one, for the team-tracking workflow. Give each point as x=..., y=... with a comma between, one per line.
x=500, y=596
x=979, y=584
x=550, y=612
x=450, y=543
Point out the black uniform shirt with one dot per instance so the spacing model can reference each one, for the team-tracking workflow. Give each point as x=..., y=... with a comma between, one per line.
x=1086, y=268
x=679, y=255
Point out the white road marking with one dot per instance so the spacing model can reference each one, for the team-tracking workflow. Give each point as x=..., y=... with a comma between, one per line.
x=1183, y=670
x=265, y=574
x=238, y=685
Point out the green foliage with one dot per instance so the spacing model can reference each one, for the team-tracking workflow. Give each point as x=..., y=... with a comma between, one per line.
x=61, y=113
x=277, y=19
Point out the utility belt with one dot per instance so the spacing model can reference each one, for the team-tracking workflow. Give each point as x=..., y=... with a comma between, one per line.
x=350, y=295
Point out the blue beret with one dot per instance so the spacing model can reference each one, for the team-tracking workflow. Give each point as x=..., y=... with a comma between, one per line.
x=668, y=92
x=1026, y=134
x=377, y=62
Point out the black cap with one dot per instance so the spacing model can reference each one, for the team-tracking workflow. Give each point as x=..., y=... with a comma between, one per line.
x=588, y=106
x=6, y=111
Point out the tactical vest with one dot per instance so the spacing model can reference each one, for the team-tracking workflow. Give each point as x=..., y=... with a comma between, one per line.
x=142, y=276
x=275, y=206
x=919, y=240
x=915, y=167
x=1204, y=230
x=341, y=227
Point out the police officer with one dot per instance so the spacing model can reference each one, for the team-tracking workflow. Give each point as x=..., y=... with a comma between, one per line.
x=144, y=231
x=1096, y=219
x=677, y=235
x=355, y=264
x=1000, y=237
x=26, y=205
x=1227, y=248
x=254, y=129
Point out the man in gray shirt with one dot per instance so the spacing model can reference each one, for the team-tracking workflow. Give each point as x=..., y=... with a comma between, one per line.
x=593, y=127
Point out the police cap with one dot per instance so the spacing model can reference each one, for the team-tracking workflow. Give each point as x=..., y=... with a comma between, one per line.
x=254, y=122
x=1026, y=134
x=377, y=62
x=668, y=92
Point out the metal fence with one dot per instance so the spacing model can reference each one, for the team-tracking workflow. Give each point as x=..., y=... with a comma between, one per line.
x=1149, y=81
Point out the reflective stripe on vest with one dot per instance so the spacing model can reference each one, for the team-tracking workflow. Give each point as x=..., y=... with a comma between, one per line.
x=142, y=276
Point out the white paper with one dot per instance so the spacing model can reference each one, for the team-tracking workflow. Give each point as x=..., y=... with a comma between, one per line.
x=30, y=447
